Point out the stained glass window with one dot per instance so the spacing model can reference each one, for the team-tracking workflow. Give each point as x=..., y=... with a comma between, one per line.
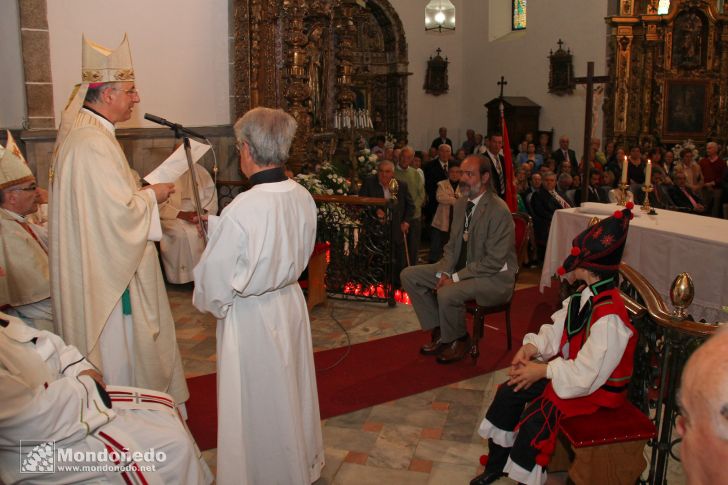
x=663, y=7
x=519, y=14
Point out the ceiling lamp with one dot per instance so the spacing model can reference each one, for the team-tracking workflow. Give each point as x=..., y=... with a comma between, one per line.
x=440, y=15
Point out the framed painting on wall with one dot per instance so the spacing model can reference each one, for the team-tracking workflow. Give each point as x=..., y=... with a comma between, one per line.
x=685, y=105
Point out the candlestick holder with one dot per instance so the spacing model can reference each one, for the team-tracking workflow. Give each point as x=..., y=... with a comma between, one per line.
x=647, y=189
x=622, y=199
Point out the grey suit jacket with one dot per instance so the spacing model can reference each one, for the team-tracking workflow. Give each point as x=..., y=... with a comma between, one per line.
x=491, y=242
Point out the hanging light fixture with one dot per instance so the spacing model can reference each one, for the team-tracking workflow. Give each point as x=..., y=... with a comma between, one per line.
x=440, y=15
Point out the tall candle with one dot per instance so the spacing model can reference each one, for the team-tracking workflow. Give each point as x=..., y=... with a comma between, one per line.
x=624, y=171
x=648, y=173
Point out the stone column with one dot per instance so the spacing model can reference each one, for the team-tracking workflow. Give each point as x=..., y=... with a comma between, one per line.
x=36, y=63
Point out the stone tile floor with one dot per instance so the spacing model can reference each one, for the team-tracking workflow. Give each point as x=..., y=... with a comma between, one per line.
x=428, y=438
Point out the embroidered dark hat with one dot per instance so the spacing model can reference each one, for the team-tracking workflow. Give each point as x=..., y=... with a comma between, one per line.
x=600, y=247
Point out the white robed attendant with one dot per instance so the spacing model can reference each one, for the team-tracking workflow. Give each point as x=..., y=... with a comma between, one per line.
x=182, y=244
x=269, y=429
x=107, y=290
x=50, y=394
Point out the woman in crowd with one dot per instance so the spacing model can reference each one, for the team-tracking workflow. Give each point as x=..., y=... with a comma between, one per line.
x=693, y=172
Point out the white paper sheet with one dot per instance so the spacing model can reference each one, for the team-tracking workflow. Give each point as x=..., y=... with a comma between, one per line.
x=176, y=164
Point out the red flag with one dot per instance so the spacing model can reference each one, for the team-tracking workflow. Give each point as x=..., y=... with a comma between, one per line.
x=508, y=169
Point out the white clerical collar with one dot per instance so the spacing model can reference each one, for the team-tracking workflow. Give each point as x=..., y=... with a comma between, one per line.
x=106, y=123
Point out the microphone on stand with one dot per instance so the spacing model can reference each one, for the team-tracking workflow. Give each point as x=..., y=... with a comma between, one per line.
x=174, y=126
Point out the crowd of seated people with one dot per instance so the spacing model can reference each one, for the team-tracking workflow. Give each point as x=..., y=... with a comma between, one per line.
x=547, y=178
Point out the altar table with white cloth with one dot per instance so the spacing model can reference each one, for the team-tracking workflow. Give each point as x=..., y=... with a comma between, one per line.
x=659, y=247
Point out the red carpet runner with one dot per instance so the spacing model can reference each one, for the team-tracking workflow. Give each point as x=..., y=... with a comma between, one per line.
x=390, y=368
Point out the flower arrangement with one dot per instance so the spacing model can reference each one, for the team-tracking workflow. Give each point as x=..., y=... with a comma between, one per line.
x=366, y=163
x=686, y=145
x=327, y=181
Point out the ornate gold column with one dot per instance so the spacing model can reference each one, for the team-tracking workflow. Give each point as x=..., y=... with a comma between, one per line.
x=652, y=38
x=298, y=90
x=623, y=57
x=723, y=86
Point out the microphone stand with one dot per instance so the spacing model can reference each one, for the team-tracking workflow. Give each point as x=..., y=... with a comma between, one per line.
x=184, y=133
x=179, y=132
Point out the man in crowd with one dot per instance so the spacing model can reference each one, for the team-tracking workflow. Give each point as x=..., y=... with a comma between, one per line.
x=25, y=245
x=404, y=172
x=703, y=420
x=495, y=145
x=479, y=263
x=52, y=394
x=435, y=171
x=595, y=192
x=269, y=428
x=109, y=298
x=564, y=153
x=182, y=244
x=683, y=196
x=469, y=144
x=563, y=184
x=403, y=209
x=442, y=139
x=543, y=204
x=713, y=168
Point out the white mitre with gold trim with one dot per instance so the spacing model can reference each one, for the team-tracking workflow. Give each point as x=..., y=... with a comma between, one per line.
x=101, y=65
x=13, y=168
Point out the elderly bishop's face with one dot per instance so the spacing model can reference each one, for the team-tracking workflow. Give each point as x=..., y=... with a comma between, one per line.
x=122, y=98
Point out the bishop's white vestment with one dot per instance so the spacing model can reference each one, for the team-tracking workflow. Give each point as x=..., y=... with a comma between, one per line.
x=108, y=294
x=45, y=400
x=24, y=256
x=269, y=428
x=182, y=245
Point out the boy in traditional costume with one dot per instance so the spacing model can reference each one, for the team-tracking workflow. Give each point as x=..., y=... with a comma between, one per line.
x=574, y=366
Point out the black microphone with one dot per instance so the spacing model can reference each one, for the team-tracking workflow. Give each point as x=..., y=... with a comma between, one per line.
x=174, y=126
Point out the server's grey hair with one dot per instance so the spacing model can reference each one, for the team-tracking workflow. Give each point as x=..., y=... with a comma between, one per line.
x=268, y=133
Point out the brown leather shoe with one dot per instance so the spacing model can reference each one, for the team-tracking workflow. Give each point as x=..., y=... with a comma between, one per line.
x=454, y=351
x=435, y=346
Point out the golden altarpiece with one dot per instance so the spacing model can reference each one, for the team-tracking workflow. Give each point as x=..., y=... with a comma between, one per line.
x=338, y=66
x=669, y=73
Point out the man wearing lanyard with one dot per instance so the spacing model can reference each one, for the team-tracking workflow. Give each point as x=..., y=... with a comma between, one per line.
x=479, y=262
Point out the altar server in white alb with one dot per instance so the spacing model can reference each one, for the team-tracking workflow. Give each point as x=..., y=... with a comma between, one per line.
x=109, y=298
x=51, y=394
x=182, y=244
x=269, y=428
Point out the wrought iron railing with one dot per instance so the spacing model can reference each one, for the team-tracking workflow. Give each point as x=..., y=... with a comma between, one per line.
x=360, y=261
x=665, y=343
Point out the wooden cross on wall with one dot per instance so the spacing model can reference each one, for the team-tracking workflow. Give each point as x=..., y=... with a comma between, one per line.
x=502, y=83
x=589, y=80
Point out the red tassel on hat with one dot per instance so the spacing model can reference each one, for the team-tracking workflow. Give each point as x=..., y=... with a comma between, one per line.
x=575, y=251
x=629, y=205
x=561, y=271
x=618, y=214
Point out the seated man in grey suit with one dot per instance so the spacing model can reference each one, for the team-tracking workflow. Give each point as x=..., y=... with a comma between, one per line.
x=479, y=263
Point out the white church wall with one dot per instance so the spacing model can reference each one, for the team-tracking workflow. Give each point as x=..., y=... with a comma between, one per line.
x=522, y=57
x=426, y=113
x=179, y=49
x=477, y=62
x=12, y=100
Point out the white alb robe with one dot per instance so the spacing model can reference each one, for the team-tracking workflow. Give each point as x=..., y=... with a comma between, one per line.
x=269, y=428
x=43, y=398
x=182, y=245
